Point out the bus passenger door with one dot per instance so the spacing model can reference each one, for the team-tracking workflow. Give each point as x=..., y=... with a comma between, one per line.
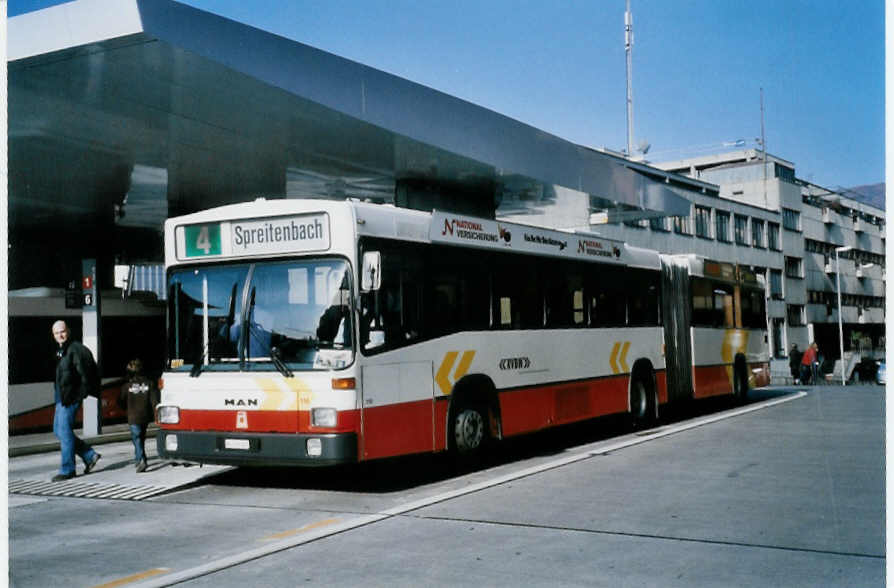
x=397, y=411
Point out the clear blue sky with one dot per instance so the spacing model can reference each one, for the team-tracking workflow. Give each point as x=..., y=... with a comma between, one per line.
x=698, y=66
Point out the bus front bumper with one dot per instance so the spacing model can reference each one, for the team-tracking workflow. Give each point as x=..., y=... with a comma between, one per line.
x=259, y=449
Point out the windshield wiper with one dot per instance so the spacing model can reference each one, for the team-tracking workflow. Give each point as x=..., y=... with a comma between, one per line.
x=276, y=358
x=197, y=367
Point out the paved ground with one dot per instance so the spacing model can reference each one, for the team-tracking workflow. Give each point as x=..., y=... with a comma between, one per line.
x=786, y=495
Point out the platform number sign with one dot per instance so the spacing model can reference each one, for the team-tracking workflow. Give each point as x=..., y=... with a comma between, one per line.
x=202, y=240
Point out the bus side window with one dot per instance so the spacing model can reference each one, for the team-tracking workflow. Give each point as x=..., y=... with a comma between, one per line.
x=565, y=296
x=724, y=307
x=642, y=304
x=392, y=316
x=607, y=296
x=517, y=298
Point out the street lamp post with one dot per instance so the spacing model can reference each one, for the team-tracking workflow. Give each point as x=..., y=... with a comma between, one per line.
x=840, y=326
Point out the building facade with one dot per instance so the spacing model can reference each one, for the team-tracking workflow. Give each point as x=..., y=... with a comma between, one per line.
x=753, y=210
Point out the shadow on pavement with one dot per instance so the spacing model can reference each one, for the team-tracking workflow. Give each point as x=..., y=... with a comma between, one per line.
x=403, y=473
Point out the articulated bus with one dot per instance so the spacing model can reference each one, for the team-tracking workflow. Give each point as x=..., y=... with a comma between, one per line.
x=311, y=332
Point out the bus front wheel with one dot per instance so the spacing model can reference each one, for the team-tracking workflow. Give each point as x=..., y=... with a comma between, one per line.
x=469, y=430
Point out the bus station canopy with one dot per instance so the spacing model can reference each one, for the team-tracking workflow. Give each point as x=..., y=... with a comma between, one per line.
x=127, y=111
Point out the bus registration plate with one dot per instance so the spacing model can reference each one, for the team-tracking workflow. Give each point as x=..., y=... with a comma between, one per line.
x=237, y=444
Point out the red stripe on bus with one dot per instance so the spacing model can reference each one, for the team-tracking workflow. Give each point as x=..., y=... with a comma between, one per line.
x=715, y=380
x=421, y=426
x=398, y=429
x=260, y=421
x=712, y=380
x=532, y=409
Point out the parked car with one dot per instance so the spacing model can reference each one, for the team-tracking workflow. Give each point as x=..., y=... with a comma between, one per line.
x=881, y=376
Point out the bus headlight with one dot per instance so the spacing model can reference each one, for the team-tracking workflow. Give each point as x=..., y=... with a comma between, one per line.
x=168, y=415
x=324, y=417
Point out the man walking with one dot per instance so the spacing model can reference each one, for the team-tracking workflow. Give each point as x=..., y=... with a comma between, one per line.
x=76, y=377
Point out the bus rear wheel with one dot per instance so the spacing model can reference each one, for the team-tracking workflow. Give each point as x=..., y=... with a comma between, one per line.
x=740, y=382
x=642, y=404
x=469, y=430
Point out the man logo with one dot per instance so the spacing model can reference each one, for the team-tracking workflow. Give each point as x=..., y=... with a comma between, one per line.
x=240, y=402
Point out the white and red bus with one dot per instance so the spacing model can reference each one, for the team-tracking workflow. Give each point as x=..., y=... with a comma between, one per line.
x=309, y=332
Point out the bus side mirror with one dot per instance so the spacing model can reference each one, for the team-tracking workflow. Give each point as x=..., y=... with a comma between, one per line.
x=371, y=272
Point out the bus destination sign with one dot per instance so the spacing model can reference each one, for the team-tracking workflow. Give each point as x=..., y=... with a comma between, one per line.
x=282, y=234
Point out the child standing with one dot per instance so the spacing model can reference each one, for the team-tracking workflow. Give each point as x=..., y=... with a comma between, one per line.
x=139, y=396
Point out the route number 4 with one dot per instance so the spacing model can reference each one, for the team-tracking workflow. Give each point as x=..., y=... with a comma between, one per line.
x=202, y=240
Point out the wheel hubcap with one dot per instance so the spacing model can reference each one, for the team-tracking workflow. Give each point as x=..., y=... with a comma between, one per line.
x=469, y=430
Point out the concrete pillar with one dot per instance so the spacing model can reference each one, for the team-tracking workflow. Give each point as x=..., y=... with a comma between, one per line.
x=90, y=320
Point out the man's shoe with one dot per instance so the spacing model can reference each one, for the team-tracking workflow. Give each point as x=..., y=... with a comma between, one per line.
x=63, y=477
x=141, y=467
x=88, y=467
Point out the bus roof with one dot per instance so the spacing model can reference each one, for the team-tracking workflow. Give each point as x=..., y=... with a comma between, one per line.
x=388, y=221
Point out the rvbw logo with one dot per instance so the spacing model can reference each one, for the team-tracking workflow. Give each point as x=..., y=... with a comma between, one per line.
x=515, y=363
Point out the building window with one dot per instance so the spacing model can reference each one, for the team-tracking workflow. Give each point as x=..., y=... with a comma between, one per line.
x=786, y=174
x=703, y=222
x=773, y=236
x=757, y=233
x=741, y=230
x=793, y=267
x=776, y=284
x=778, y=343
x=791, y=219
x=658, y=224
x=795, y=314
x=681, y=225
x=721, y=226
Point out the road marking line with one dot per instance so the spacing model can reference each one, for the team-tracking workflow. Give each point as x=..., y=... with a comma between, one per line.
x=364, y=520
x=134, y=578
x=303, y=529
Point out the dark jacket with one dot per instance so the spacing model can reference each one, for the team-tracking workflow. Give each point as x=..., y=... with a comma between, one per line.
x=794, y=361
x=139, y=396
x=76, y=373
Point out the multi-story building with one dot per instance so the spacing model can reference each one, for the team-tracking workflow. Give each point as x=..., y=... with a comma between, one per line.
x=751, y=209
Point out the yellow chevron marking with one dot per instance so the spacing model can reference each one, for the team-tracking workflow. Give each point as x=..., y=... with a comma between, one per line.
x=442, y=376
x=612, y=359
x=464, y=364
x=623, y=359
x=443, y=373
x=618, y=358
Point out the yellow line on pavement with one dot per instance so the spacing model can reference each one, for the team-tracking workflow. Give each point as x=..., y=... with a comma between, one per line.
x=134, y=578
x=291, y=532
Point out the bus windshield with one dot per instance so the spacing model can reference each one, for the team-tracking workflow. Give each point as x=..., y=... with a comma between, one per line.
x=261, y=316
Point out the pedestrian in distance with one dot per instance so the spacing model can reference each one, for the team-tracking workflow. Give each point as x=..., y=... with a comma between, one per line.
x=807, y=365
x=139, y=397
x=818, y=362
x=76, y=377
x=794, y=363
